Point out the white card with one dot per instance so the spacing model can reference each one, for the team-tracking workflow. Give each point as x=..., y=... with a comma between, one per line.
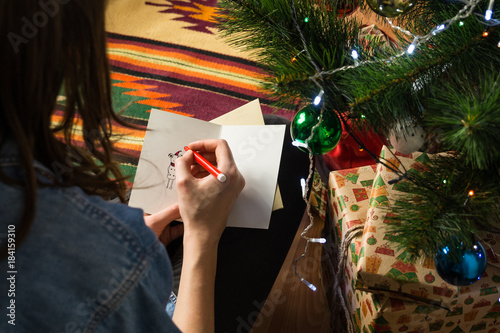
x=256, y=150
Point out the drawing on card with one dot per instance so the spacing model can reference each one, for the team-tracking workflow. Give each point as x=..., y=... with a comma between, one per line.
x=171, y=169
x=168, y=133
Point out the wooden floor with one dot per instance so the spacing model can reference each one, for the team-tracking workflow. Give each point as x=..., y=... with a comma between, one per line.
x=291, y=306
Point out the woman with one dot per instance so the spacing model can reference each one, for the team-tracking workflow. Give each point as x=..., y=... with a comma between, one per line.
x=75, y=262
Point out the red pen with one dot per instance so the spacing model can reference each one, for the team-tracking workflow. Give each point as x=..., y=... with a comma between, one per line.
x=207, y=165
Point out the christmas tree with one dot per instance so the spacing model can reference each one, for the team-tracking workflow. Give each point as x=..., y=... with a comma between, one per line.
x=436, y=78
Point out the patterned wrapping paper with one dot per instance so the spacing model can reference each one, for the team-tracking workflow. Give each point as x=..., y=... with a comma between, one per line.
x=386, y=293
x=349, y=194
x=319, y=196
x=376, y=312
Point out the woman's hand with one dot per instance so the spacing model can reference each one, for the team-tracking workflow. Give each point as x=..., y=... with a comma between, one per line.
x=205, y=202
x=160, y=223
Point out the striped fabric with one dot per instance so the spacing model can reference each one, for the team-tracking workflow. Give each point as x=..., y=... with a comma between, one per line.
x=185, y=80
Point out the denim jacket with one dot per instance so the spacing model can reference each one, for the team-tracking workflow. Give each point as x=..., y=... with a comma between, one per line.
x=87, y=265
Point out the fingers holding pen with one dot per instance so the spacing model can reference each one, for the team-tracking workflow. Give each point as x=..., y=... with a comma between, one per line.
x=199, y=171
x=218, y=153
x=205, y=202
x=216, y=150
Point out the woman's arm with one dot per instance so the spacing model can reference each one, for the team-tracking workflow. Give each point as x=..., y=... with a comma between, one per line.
x=204, y=204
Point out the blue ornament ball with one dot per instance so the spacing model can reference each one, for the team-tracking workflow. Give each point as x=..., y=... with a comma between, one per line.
x=458, y=265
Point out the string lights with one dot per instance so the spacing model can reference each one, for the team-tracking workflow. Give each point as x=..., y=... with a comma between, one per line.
x=462, y=14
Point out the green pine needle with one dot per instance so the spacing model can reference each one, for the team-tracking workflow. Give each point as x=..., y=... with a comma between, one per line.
x=468, y=114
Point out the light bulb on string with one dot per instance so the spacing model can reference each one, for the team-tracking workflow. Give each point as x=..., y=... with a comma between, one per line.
x=461, y=23
x=411, y=48
x=438, y=29
x=318, y=240
x=487, y=15
x=355, y=56
x=299, y=144
x=469, y=195
x=498, y=44
x=489, y=11
x=309, y=284
x=295, y=56
x=318, y=98
x=486, y=32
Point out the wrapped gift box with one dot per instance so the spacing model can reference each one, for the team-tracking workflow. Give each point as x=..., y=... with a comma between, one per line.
x=385, y=292
x=350, y=191
x=319, y=196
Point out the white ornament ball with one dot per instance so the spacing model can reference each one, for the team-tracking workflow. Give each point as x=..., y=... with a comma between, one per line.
x=407, y=139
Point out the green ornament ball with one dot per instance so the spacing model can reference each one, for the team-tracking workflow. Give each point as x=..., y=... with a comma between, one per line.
x=391, y=8
x=326, y=136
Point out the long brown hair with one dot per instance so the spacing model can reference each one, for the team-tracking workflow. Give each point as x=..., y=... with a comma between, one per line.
x=47, y=46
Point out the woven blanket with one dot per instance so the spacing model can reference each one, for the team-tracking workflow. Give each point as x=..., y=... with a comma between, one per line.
x=166, y=54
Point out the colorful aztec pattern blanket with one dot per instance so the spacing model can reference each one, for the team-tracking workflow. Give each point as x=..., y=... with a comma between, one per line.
x=166, y=54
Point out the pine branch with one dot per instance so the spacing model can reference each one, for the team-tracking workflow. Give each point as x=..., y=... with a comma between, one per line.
x=386, y=93
x=426, y=217
x=415, y=74
x=468, y=115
